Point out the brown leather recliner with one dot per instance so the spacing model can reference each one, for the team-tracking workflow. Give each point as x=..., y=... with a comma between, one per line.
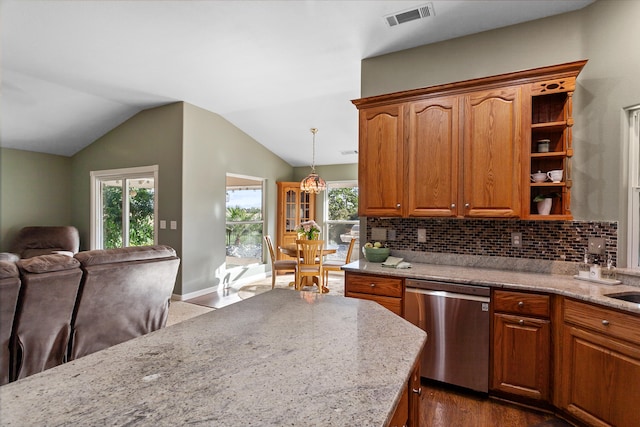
x=9, y=289
x=45, y=240
x=43, y=319
x=125, y=293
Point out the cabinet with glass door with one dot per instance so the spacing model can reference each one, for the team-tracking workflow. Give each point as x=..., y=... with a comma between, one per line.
x=294, y=207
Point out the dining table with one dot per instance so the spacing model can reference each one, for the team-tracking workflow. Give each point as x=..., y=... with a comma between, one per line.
x=291, y=250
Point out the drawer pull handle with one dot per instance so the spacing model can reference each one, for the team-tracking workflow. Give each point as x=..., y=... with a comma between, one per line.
x=520, y=322
x=397, y=205
x=373, y=285
x=453, y=205
x=605, y=322
x=417, y=391
x=520, y=304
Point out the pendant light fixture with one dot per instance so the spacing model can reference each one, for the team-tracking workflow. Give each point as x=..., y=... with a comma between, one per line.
x=313, y=183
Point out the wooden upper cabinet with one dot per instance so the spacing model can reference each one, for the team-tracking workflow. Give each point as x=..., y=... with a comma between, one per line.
x=465, y=149
x=382, y=151
x=492, y=153
x=433, y=157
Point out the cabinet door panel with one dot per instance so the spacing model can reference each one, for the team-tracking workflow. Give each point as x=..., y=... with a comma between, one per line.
x=600, y=381
x=380, y=175
x=521, y=351
x=492, y=153
x=433, y=157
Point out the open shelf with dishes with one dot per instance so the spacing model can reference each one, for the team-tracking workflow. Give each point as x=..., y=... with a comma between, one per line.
x=550, y=150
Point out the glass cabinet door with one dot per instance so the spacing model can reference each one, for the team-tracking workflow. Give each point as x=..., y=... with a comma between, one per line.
x=291, y=205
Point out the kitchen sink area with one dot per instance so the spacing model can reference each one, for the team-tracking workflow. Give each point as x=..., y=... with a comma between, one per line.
x=626, y=296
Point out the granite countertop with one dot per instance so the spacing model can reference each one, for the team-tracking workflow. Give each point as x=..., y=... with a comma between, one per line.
x=279, y=358
x=560, y=284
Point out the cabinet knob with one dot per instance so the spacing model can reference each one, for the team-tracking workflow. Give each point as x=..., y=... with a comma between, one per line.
x=605, y=322
x=520, y=322
x=397, y=205
x=453, y=205
x=417, y=391
x=520, y=304
x=373, y=285
x=466, y=205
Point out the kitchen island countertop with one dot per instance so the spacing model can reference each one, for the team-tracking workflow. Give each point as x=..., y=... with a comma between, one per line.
x=279, y=358
x=515, y=280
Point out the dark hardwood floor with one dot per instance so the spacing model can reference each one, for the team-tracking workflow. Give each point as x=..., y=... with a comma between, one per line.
x=444, y=406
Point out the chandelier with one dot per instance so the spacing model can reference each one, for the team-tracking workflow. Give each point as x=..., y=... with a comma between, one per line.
x=313, y=183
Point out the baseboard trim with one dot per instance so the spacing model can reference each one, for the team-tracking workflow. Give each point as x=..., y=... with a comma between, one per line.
x=195, y=294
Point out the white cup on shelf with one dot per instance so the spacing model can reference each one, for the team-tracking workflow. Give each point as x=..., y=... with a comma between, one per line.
x=555, y=175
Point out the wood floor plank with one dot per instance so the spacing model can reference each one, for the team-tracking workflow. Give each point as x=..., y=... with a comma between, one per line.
x=445, y=406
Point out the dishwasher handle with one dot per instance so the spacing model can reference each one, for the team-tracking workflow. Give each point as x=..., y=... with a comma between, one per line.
x=447, y=294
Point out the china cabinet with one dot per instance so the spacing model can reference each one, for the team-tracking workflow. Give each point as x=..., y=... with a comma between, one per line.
x=294, y=207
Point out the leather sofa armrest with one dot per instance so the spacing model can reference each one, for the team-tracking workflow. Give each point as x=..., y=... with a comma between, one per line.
x=8, y=270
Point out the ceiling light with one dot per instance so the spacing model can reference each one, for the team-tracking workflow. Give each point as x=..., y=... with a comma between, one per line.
x=313, y=183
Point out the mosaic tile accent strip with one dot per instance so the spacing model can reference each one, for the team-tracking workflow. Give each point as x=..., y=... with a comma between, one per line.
x=541, y=240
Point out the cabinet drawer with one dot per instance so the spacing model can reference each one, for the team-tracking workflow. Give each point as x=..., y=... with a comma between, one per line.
x=374, y=285
x=521, y=303
x=607, y=321
x=390, y=303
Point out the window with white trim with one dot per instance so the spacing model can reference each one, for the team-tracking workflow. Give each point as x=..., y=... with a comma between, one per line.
x=124, y=207
x=342, y=221
x=634, y=189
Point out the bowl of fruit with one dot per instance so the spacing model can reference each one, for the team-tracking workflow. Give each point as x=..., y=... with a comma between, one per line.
x=375, y=252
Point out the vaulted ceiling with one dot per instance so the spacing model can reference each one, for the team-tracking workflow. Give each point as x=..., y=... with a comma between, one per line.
x=73, y=70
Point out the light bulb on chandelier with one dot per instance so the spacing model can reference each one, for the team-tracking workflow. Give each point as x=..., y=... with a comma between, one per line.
x=313, y=183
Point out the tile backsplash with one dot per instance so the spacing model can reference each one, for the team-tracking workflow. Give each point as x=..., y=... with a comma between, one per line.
x=541, y=240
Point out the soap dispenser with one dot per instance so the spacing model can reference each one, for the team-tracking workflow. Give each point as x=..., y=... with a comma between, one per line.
x=609, y=272
x=595, y=272
x=584, y=267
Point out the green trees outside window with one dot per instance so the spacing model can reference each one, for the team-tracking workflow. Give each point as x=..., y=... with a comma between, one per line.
x=141, y=227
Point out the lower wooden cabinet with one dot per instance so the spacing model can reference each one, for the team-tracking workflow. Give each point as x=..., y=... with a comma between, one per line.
x=408, y=409
x=598, y=377
x=576, y=358
x=386, y=291
x=521, y=349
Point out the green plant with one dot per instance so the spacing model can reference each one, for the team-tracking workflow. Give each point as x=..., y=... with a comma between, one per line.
x=541, y=197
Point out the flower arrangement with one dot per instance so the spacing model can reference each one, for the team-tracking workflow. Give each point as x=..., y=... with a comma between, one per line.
x=309, y=230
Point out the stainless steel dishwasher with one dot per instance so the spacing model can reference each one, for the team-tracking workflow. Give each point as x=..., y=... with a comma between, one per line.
x=456, y=319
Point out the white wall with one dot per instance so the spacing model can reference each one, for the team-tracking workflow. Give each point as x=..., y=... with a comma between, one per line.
x=213, y=147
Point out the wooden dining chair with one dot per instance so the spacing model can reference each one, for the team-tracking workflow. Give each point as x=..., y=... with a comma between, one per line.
x=336, y=265
x=310, y=262
x=279, y=264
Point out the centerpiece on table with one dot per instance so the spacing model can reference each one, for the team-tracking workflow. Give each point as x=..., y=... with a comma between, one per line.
x=308, y=230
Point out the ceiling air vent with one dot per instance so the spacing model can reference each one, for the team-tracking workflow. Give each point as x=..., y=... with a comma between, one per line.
x=424, y=11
